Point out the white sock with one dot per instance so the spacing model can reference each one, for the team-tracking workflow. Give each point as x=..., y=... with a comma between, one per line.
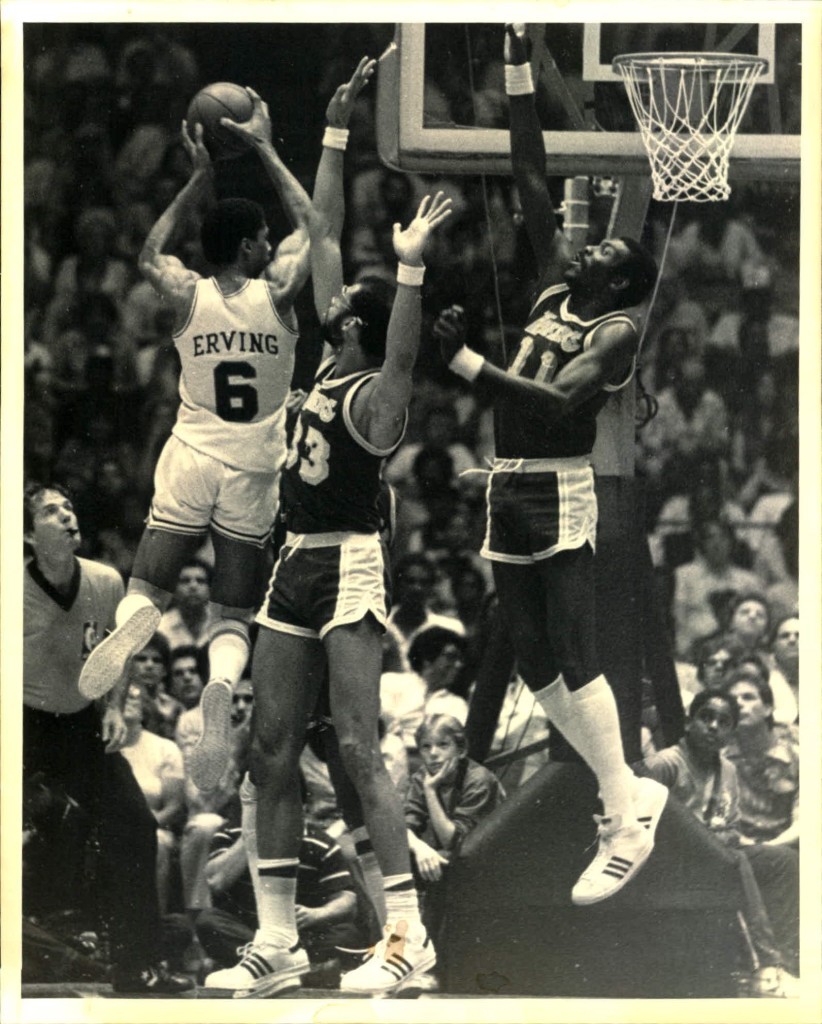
x=372, y=876
x=130, y=604
x=588, y=719
x=248, y=801
x=275, y=904
x=401, y=902
x=228, y=651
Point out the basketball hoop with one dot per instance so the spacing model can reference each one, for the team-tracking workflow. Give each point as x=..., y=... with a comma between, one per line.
x=688, y=107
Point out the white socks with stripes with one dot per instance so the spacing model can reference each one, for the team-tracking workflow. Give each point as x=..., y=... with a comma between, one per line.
x=401, y=902
x=588, y=719
x=277, y=892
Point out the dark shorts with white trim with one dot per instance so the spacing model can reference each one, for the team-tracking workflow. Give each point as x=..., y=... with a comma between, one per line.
x=323, y=580
x=537, y=507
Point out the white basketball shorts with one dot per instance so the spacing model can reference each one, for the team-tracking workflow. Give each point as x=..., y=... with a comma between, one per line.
x=193, y=491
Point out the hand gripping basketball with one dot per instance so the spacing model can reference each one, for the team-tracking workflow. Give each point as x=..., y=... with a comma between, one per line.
x=198, y=154
x=257, y=129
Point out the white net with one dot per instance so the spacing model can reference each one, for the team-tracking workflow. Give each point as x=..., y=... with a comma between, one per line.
x=688, y=108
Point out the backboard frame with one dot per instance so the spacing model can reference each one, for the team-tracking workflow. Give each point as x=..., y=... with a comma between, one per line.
x=406, y=145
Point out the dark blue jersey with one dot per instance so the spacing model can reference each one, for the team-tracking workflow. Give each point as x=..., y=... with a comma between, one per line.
x=332, y=478
x=553, y=337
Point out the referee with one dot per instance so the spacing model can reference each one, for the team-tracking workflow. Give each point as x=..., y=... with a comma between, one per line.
x=69, y=742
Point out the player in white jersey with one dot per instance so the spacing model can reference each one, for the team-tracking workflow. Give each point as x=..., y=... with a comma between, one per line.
x=218, y=473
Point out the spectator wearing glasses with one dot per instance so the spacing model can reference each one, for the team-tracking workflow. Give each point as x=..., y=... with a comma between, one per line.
x=715, y=657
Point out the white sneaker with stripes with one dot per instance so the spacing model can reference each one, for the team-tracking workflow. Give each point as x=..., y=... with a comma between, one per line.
x=264, y=970
x=623, y=849
x=650, y=798
x=403, y=955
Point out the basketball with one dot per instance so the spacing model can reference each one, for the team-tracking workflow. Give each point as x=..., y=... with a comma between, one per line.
x=220, y=99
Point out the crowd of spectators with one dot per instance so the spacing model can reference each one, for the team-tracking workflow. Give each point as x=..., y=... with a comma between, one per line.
x=718, y=461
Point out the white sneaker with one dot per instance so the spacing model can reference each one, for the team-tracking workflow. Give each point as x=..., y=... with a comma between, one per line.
x=623, y=849
x=263, y=970
x=650, y=798
x=404, y=954
x=106, y=664
x=209, y=757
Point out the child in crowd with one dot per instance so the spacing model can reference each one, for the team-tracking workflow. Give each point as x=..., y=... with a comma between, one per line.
x=447, y=798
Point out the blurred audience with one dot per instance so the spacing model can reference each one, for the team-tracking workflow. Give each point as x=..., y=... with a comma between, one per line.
x=189, y=619
x=158, y=767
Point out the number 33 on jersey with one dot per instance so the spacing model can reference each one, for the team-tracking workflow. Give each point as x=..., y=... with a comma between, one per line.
x=332, y=477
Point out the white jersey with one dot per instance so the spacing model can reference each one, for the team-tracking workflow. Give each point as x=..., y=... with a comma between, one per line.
x=237, y=356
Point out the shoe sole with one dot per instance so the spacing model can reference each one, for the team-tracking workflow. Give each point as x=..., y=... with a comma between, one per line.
x=106, y=664
x=403, y=983
x=273, y=984
x=209, y=757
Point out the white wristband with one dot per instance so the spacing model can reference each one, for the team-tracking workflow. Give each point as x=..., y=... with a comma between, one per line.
x=408, y=274
x=467, y=363
x=518, y=80
x=335, y=138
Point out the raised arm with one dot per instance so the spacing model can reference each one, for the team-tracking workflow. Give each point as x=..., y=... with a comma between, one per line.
x=607, y=359
x=528, y=159
x=329, y=200
x=170, y=278
x=381, y=412
x=288, y=271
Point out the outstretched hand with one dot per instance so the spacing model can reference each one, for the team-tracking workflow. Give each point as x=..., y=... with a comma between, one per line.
x=196, y=149
x=515, y=49
x=449, y=330
x=257, y=129
x=409, y=244
x=341, y=104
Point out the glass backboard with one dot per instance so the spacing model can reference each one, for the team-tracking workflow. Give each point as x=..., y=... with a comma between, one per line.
x=442, y=108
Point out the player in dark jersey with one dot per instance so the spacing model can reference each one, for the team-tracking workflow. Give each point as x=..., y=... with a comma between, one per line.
x=326, y=606
x=577, y=346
